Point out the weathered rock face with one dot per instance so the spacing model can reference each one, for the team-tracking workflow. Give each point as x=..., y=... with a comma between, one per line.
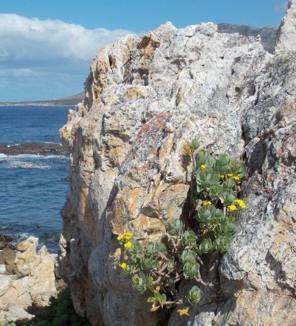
x=27, y=278
x=268, y=35
x=145, y=99
x=287, y=36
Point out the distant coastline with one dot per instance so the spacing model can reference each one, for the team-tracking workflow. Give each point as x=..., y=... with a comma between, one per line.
x=37, y=104
x=68, y=101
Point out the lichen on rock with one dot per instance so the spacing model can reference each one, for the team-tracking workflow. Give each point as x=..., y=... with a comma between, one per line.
x=145, y=98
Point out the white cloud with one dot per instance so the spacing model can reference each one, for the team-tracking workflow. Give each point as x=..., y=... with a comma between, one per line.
x=37, y=48
x=19, y=72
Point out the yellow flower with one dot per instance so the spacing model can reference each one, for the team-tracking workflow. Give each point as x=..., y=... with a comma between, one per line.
x=206, y=203
x=120, y=237
x=203, y=167
x=236, y=178
x=183, y=312
x=123, y=265
x=240, y=203
x=127, y=236
x=232, y=208
x=128, y=245
x=230, y=175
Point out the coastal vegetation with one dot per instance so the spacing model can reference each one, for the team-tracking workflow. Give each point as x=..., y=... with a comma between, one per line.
x=59, y=312
x=158, y=269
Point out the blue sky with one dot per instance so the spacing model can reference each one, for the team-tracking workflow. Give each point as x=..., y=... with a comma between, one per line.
x=46, y=45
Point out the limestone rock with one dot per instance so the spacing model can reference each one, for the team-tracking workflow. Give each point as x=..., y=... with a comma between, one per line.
x=27, y=279
x=13, y=313
x=287, y=33
x=145, y=99
x=5, y=282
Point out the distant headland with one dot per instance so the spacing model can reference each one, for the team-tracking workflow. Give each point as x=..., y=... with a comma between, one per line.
x=67, y=101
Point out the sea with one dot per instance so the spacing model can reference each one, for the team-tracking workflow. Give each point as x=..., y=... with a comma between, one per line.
x=32, y=187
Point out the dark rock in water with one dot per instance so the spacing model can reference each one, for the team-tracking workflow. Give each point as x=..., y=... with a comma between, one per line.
x=268, y=34
x=5, y=241
x=7, y=252
x=34, y=148
x=5, y=238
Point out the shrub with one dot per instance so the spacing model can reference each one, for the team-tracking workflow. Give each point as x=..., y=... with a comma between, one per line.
x=60, y=312
x=156, y=269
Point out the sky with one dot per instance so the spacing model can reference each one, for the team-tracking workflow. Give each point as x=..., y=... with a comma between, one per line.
x=46, y=46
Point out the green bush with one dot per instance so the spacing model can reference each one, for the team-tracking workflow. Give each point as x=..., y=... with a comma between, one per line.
x=156, y=269
x=60, y=312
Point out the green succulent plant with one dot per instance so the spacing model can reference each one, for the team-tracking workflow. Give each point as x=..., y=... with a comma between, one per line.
x=157, y=269
x=194, y=295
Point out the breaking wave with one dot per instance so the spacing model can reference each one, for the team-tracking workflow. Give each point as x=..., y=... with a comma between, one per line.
x=29, y=161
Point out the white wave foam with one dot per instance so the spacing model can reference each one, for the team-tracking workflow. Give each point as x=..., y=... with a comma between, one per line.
x=59, y=157
x=51, y=142
x=29, y=161
x=23, y=235
x=32, y=156
x=27, y=165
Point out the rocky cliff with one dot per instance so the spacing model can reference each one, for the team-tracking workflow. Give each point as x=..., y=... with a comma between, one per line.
x=144, y=99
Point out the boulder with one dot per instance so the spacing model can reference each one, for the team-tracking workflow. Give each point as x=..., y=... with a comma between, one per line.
x=145, y=99
x=27, y=279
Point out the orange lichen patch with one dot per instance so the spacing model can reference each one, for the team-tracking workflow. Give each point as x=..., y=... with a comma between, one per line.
x=148, y=44
x=114, y=141
x=186, y=150
x=186, y=154
x=132, y=198
x=166, y=148
x=133, y=93
x=158, y=122
x=150, y=225
x=119, y=217
x=155, y=226
x=99, y=75
x=172, y=200
x=126, y=207
x=148, y=40
x=117, y=156
x=117, y=152
x=171, y=212
x=141, y=222
x=83, y=197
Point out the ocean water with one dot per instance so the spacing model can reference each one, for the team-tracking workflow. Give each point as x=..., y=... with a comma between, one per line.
x=32, y=187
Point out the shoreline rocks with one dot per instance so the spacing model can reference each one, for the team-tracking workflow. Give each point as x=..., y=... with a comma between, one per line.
x=27, y=278
x=34, y=148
